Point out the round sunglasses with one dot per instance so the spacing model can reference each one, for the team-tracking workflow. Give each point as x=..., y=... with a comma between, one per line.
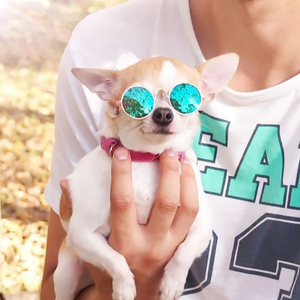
x=138, y=102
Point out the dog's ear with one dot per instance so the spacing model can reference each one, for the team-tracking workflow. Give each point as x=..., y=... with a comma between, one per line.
x=216, y=74
x=101, y=82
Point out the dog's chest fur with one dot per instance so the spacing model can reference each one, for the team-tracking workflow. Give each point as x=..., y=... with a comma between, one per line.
x=92, y=177
x=145, y=182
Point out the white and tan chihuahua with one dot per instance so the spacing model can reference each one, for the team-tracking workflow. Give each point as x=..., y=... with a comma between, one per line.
x=152, y=106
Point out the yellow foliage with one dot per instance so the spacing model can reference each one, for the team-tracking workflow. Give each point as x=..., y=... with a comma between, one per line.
x=26, y=145
x=29, y=57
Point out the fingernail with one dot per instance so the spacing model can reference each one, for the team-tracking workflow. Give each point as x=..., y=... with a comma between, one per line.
x=63, y=189
x=170, y=152
x=64, y=185
x=121, y=154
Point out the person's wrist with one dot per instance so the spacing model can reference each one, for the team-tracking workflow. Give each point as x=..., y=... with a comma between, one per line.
x=147, y=278
x=147, y=285
x=102, y=283
x=90, y=293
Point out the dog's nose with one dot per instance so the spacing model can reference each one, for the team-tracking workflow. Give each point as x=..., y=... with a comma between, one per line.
x=162, y=116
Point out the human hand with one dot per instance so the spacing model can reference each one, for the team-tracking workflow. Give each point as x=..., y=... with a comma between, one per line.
x=147, y=248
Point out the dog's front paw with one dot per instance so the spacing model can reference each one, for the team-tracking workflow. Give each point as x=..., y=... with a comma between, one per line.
x=171, y=287
x=124, y=288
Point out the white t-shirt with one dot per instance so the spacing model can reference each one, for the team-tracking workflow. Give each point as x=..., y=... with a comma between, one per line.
x=248, y=151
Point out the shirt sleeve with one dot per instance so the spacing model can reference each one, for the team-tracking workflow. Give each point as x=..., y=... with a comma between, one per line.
x=77, y=121
x=101, y=40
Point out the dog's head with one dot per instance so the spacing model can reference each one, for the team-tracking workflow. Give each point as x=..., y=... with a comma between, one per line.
x=150, y=107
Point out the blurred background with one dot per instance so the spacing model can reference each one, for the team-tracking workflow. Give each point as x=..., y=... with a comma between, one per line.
x=33, y=35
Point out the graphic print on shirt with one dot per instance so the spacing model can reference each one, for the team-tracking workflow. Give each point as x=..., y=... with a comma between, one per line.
x=270, y=244
x=263, y=160
x=294, y=196
x=213, y=179
x=259, y=174
x=267, y=247
x=200, y=273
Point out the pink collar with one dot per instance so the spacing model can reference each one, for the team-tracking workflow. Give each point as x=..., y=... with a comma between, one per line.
x=109, y=145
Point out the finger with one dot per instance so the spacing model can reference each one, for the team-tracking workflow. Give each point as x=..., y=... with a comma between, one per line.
x=64, y=185
x=65, y=205
x=123, y=217
x=189, y=203
x=167, y=199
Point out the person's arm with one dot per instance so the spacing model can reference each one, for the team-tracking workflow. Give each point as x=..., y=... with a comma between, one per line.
x=103, y=289
x=55, y=236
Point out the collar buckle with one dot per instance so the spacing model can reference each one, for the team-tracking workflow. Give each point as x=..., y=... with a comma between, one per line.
x=112, y=148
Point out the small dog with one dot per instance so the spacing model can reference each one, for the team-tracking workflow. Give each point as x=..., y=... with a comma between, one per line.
x=151, y=107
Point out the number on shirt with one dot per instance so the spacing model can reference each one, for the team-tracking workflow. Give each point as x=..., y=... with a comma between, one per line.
x=266, y=247
x=201, y=271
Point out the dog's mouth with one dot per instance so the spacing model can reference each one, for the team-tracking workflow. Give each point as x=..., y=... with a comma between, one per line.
x=163, y=131
x=158, y=130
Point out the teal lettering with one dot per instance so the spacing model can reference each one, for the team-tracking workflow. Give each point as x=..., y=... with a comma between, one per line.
x=295, y=193
x=213, y=179
x=263, y=158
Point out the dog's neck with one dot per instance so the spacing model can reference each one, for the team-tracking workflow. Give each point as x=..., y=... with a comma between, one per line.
x=153, y=145
x=109, y=145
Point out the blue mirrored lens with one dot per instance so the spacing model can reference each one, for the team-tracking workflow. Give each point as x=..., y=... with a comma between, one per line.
x=185, y=98
x=138, y=102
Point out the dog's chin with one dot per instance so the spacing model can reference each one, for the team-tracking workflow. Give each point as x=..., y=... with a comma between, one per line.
x=161, y=131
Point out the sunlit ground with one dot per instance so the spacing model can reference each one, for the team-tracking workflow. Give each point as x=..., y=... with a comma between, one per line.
x=33, y=35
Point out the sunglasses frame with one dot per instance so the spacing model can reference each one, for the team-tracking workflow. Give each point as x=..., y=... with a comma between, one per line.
x=168, y=94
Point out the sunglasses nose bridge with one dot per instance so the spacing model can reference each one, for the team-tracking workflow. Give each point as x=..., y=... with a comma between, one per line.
x=161, y=94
